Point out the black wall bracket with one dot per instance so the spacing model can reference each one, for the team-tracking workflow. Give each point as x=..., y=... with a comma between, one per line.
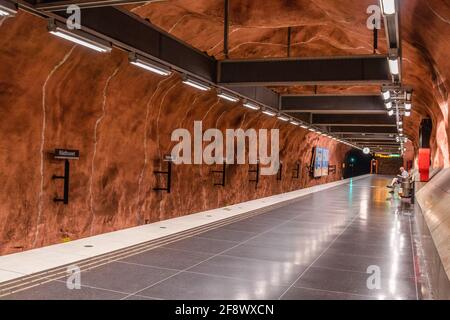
x=296, y=171
x=280, y=172
x=222, y=173
x=66, y=155
x=167, y=173
x=256, y=172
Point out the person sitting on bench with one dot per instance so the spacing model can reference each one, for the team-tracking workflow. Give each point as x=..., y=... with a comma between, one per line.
x=403, y=175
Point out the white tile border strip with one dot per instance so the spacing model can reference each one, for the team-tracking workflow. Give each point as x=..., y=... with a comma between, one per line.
x=21, y=264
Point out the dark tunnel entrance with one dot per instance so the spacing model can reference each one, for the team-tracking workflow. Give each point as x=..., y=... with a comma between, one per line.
x=356, y=163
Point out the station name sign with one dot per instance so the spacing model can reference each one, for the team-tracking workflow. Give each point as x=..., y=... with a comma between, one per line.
x=67, y=154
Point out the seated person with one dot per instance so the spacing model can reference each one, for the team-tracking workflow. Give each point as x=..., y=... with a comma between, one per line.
x=403, y=175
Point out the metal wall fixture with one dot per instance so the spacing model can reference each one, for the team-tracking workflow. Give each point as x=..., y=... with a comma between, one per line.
x=256, y=172
x=167, y=174
x=7, y=9
x=79, y=37
x=149, y=65
x=222, y=174
x=66, y=155
x=197, y=84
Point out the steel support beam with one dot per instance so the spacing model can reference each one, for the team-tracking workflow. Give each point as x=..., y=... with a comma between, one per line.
x=333, y=104
x=353, y=120
x=361, y=129
x=55, y=5
x=369, y=69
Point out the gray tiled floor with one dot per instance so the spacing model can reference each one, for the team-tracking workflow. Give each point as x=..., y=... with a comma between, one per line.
x=317, y=248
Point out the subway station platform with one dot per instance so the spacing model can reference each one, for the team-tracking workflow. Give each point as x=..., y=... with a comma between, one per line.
x=325, y=245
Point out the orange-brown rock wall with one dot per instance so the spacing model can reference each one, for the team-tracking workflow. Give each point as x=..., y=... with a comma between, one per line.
x=54, y=94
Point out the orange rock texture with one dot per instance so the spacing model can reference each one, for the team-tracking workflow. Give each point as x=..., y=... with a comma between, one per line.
x=54, y=94
x=325, y=28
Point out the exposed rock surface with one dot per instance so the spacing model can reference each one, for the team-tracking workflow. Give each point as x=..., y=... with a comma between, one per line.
x=324, y=28
x=54, y=94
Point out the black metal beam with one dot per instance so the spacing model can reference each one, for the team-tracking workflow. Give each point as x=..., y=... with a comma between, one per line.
x=226, y=27
x=353, y=120
x=369, y=69
x=129, y=31
x=368, y=104
x=361, y=129
x=260, y=94
x=55, y=5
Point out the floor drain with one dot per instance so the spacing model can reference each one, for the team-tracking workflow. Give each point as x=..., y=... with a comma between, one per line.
x=209, y=216
x=163, y=227
x=89, y=246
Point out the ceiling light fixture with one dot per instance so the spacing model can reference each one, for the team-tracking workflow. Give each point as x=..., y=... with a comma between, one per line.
x=304, y=126
x=408, y=106
x=149, y=65
x=79, y=37
x=295, y=123
x=388, y=105
x=407, y=113
x=251, y=105
x=394, y=66
x=196, y=84
x=386, y=95
x=227, y=96
x=391, y=113
x=7, y=9
x=388, y=7
x=269, y=113
x=283, y=118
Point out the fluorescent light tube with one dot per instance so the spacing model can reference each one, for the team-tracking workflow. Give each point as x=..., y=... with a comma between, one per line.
x=79, y=37
x=227, y=96
x=386, y=95
x=269, y=113
x=295, y=123
x=251, y=106
x=196, y=84
x=150, y=65
x=311, y=129
x=388, y=7
x=304, y=126
x=394, y=66
x=283, y=118
x=7, y=8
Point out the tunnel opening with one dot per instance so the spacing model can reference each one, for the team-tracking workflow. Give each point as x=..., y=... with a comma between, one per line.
x=356, y=164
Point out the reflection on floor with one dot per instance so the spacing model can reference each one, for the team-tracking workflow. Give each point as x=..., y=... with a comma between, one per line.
x=350, y=242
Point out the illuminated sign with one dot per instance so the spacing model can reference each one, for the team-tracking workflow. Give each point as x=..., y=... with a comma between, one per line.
x=387, y=156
